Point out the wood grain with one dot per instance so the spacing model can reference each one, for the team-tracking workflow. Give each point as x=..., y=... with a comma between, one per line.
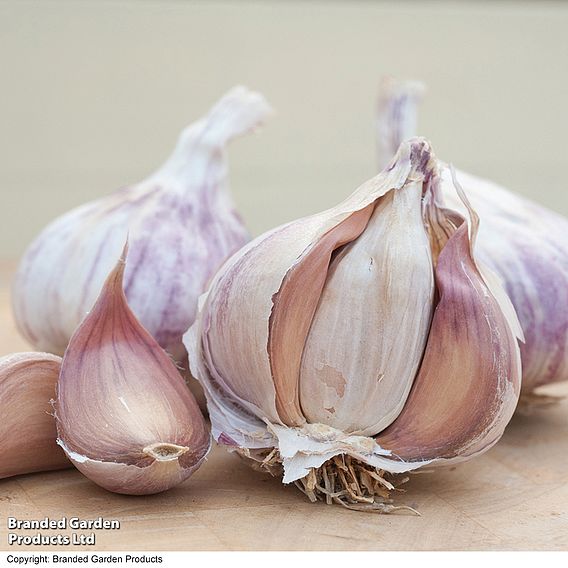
x=515, y=497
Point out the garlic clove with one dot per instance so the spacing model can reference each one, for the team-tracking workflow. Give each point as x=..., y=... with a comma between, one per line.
x=182, y=225
x=469, y=381
x=124, y=415
x=526, y=246
x=384, y=280
x=294, y=308
x=27, y=428
x=524, y=243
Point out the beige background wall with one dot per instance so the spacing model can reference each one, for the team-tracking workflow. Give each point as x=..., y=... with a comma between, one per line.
x=93, y=95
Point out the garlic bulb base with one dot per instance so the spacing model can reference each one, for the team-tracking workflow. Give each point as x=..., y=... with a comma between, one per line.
x=297, y=451
x=341, y=480
x=165, y=452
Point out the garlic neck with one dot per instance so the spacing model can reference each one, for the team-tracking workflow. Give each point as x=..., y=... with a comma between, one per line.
x=196, y=165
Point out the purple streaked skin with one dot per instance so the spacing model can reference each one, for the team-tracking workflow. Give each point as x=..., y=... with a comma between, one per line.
x=181, y=225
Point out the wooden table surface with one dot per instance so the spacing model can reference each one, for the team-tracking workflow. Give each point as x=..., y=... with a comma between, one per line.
x=514, y=497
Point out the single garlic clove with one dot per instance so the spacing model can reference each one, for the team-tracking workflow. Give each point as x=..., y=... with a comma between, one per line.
x=27, y=428
x=525, y=244
x=469, y=381
x=181, y=223
x=377, y=300
x=124, y=415
x=295, y=305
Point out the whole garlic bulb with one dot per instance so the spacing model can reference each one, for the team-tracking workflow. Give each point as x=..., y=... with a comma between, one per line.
x=27, y=428
x=368, y=332
x=124, y=414
x=181, y=224
x=523, y=242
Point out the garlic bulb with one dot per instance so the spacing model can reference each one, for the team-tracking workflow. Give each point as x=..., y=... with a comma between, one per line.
x=124, y=415
x=524, y=243
x=181, y=224
x=27, y=428
x=361, y=341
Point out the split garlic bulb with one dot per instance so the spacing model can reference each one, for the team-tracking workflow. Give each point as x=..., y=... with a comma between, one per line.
x=523, y=242
x=361, y=341
x=181, y=224
x=124, y=414
x=27, y=427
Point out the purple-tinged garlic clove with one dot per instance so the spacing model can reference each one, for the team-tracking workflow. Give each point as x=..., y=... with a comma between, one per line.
x=390, y=266
x=469, y=380
x=124, y=414
x=27, y=428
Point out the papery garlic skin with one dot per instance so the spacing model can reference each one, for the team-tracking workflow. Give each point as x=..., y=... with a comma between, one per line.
x=27, y=428
x=181, y=224
x=285, y=353
x=523, y=242
x=124, y=414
